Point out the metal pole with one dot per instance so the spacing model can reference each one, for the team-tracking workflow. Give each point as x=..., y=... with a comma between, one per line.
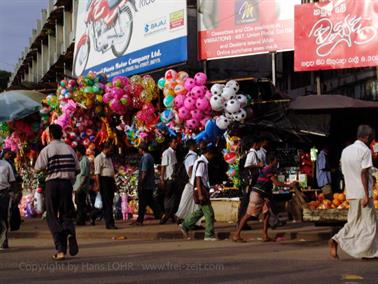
x=205, y=67
x=318, y=89
x=273, y=68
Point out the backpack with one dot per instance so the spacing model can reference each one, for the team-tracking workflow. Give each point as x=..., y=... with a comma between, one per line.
x=247, y=176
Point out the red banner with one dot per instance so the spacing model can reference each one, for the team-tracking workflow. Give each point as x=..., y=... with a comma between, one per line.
x=231, y=28
x=335, y=35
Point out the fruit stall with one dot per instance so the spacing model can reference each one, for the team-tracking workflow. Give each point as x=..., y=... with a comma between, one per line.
x=335, y=211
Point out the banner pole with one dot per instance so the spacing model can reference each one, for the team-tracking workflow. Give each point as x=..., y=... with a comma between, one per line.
x=318, y=87
x=205, y=67
x=273, y=68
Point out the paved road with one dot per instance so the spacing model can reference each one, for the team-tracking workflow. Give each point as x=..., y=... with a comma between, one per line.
x=124, y=261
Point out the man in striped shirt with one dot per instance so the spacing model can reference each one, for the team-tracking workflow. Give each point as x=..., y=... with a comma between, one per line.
x=59, y=162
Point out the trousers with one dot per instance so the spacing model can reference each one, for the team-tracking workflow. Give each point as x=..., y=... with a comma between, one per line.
x=60, y=212
x=107, y=189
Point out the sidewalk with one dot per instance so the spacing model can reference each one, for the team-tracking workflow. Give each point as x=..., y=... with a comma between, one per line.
x=152, y=230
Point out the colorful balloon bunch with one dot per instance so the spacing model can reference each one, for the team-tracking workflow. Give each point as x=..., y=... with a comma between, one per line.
x=186, y=100
x=226, y=100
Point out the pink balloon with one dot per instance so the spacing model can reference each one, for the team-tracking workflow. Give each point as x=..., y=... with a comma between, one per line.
x=197, y=92
x=202, y=104
x=115, y=105
x=200, y=79
x=192, y=124
x=196, y=114
x=208, y=95
x=189, y=84
x=107, y=98
x=117, y=92
x=183, y=114
x=190, y=103
x=179, y=101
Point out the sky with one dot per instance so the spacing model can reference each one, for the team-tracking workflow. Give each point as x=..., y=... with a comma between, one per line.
x=17, y=19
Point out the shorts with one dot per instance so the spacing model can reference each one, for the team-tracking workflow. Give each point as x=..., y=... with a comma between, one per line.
x=257, y=204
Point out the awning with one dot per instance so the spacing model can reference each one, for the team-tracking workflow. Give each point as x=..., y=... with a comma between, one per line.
x=323, y=102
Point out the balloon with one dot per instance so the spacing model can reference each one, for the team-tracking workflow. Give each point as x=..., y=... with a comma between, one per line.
x=230, y=157
x=182, y=76
x=217, y=103
x=170, y=74
x=223, y=122
x=208, y=95
x=196, y=114
x=197, y=92
x=202, y=104
x=200, y=79
x=240, y=115
x=233, y=106
x=136, y=79
x=146, y=97
x=211, y=133
x=189, y=84
x=234, y=85
x=183, y=114
x=166, y=116
x=190, y=103
x=243, y=100
x=168, y=92
x=180, y=90
x=192, y=124
x=99, y=98
x=107, y=98
x=136, y=90
x=88, y=89
x=161, y=83
x=168, y=101
x=125, y=100
x=228, y=93
x=179, y=101
x=63, y=83
x=217, y=89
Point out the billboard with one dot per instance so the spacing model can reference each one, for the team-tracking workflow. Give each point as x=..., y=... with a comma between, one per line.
x=334, y=35
x=231, y=28
x=125, y=37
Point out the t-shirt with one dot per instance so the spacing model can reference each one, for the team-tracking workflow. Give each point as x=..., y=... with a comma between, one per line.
x=6, y=175
x=201, y=170
x=84, y=173
x=103, y=166
x=264, y=182
x=59, y=160
x=261, y=155
x=190, y=158
x=169, y=160
x=252, y=158
x=146, y=164
x=354, y=159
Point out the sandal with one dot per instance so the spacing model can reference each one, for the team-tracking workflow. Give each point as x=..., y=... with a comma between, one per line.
x=268, y=240
x=238, y=240
x=58, y=256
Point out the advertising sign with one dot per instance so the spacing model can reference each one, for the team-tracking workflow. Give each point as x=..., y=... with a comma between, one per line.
x=337, y=34
x=231, y=28
x=125, y=37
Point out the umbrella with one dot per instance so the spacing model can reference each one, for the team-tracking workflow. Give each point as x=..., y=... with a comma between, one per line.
x=18, y=104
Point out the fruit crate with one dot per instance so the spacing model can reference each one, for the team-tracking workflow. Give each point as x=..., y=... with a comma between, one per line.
x=325, y=215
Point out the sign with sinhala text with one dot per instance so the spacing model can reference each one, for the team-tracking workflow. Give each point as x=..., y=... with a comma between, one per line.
x=335, y=35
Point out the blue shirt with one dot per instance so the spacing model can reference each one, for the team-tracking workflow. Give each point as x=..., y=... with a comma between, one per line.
x=323, y=174
x=147, y=165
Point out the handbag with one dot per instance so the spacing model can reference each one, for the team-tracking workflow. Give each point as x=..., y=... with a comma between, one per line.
x=98, y=201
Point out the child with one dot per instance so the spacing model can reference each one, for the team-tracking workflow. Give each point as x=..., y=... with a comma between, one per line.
x=260, y=197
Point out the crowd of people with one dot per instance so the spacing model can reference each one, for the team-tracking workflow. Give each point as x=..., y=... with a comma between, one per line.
x=184, y=190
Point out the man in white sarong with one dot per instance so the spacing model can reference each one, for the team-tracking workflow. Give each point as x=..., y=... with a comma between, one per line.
x=359, y=236
x=187, y=205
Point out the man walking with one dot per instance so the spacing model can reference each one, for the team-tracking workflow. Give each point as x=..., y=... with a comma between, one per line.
x=359, y=236
x=187, y=205
x=105, y=183
x=250, y=173
x=60, y=163
x=6, y=180
x=168, y=182
x=81, y=186
x=146, y=184
x=201, y=185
